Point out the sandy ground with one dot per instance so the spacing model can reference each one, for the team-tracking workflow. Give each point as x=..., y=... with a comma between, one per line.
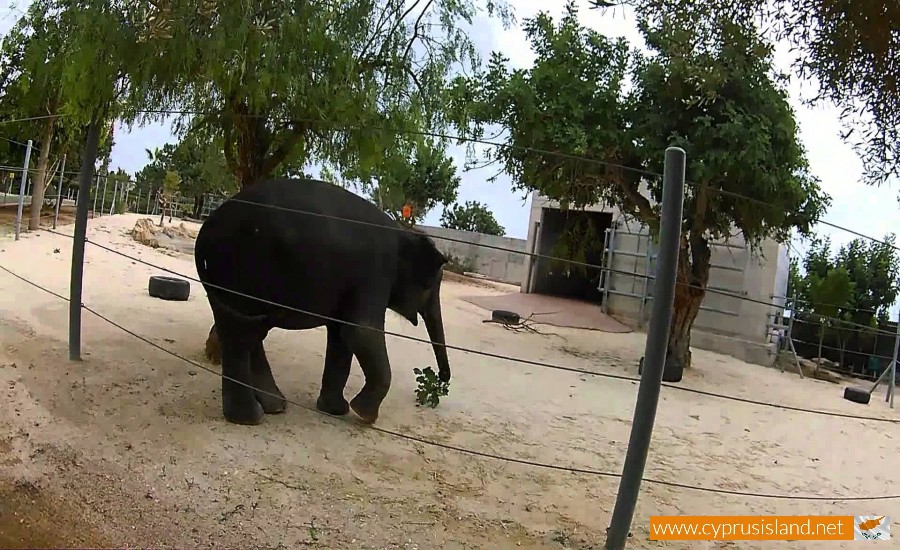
x=128, y=447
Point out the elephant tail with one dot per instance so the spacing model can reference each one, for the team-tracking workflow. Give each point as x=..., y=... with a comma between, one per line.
x=218, y=302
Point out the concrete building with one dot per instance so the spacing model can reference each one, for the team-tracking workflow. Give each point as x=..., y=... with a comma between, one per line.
x=726, y=324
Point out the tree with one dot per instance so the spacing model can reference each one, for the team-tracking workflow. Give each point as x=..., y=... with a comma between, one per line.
x=472, y=216
x=847, y=48
x=170, y=186
x=850, y=291
x=200, y=162
x=707, y=87
x=422, y=181
x=43, y=78
x=280, y=82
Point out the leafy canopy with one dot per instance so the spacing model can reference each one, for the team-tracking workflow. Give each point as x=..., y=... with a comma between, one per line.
x=423, y=180
x=286, y=82
x=871, y=268
x=471, y=216
x=848, y=49
x=707, y=87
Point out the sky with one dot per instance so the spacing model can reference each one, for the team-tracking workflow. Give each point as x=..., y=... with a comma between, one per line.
x=863, y=208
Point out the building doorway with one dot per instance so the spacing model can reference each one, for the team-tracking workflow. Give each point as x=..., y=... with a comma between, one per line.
x=559, y=230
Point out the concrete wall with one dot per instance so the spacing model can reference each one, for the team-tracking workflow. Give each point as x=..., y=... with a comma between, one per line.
x=498, y=264
x=726, y=324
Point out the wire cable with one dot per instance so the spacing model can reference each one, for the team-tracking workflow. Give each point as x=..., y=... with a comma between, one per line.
x=459, y=138
x=489, y=354
x=463, y=450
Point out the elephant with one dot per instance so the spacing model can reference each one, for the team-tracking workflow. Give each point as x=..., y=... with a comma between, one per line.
x=286, y=253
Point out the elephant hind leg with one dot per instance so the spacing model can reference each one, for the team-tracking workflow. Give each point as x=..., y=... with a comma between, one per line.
x=239, y=403
x=266, y=391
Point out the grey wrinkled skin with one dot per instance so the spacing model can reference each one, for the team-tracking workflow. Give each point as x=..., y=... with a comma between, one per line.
x=346, y=271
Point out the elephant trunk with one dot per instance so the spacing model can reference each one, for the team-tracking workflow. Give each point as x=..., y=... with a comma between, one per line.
x=435, y=325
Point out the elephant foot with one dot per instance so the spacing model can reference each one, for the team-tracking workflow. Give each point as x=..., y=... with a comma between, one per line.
x=334, y=405
x=365, y=408
x=241, y=410
x=272, y=404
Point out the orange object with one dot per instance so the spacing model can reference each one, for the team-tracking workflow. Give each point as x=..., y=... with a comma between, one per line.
x=754, y=527
x=407, y=211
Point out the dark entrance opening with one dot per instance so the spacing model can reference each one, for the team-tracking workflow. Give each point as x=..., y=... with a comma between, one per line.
x=558, y=229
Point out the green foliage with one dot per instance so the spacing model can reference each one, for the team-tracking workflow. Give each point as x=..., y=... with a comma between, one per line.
x=283, y=83
x=459, y=265
x=712, y=93
x=471, y=216
x=38, y=72
x=872, y=268
x=171, y=183
x=829, y=294
x=423, y=180
x=707, y=86
x=848, y=49
x=199, y=163
x=431, y=388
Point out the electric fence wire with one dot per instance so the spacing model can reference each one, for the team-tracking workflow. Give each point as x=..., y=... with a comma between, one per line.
x=502, y=357
x=603, y=269
x=464, y=450
x=467, y=139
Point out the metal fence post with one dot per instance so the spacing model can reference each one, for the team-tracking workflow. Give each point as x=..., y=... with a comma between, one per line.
x=892, y=379
x=103, y=199
x=112, y=204
x=96, y=196
x=62, y=171
x=22, y=189
x=821, y=340
x=76, y=279
x=654, y=351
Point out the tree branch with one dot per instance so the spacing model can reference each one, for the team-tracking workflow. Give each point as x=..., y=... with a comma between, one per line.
x=284, y=149
x=643, y=208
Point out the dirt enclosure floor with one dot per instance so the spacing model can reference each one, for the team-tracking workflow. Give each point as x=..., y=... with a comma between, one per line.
x=128, y=447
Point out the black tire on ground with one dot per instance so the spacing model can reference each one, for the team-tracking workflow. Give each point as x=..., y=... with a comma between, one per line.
x=169, y=288
x=641, y=366
x=506, y=317
x=857, y=395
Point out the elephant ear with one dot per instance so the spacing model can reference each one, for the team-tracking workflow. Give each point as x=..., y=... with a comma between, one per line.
x=422, y=257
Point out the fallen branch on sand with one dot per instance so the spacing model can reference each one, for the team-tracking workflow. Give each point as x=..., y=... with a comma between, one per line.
x=524, y=325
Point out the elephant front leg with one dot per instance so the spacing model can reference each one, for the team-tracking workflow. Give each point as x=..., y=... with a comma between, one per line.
x=338, y=358
x=369, y=347
x=239, y=404
x=265, y=389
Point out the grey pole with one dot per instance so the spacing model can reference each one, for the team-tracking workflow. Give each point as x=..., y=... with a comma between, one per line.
x=112, y=205
x=892, y=379
x=59, y=192
x=22, y=189
x=96, y=195
x=103, y=200
x=654, y=351
x=76, y=279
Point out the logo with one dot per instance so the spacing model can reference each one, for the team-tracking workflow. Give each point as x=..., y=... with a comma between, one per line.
x=871, y=528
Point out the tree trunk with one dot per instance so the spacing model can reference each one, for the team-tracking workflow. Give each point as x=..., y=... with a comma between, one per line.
x=690, y=288
x=37, y=190
x=199, y=201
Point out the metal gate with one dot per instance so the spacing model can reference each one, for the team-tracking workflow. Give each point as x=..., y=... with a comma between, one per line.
x=638, y=284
